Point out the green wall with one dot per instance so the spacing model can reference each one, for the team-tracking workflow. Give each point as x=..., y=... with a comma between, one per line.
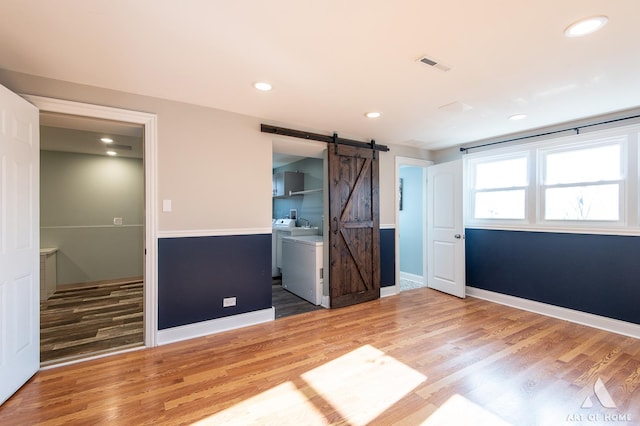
x=80, y=195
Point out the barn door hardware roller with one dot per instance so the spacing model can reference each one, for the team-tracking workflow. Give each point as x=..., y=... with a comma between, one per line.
x=266, y=128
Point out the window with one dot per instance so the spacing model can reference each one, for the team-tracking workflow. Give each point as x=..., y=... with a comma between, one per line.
x=583, y=183
x=498, y=188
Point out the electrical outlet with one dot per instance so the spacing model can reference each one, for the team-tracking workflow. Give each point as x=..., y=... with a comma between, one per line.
x=228, y=301
x=117, y=221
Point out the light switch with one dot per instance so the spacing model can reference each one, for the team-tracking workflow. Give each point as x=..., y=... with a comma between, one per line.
x=166, y=205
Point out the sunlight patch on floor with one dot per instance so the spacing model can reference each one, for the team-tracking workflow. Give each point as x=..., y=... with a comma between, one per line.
x=363, y=384
x=281, y=405
x=458, y=410
x=359, y=386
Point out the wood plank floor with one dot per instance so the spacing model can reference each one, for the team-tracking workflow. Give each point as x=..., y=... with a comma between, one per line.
x=286, y=303
x=420, y=357
x=78, y=321
x=85, y=320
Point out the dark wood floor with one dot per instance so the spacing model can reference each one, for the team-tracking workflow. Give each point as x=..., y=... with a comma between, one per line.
x=83, y=320
x=286, y=303
x=420, y=357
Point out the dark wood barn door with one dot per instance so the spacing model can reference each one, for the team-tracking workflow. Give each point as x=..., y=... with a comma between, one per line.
x=354, y=235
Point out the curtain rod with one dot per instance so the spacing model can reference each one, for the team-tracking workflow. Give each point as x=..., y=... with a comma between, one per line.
x=553, y=132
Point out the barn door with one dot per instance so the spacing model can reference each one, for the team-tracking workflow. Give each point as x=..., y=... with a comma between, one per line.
x=354, y=235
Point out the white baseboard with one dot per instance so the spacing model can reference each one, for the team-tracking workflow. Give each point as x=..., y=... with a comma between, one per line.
x=578, y=317
x=184, y=332
x=412, y=277
x=391, y=290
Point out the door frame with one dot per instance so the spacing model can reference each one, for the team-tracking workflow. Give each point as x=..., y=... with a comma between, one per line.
x=149, y=122
x=312, y=149
x=424, y=164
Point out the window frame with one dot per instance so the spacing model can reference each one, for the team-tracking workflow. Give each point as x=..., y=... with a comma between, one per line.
x=628, y=222
x=472, y=165
x=544, y=152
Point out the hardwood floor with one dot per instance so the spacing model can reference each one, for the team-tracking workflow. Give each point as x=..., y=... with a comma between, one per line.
x=420, y=357
x=78, y=321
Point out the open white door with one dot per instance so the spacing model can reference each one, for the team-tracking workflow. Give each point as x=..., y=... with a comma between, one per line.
x=19, y=242
x=445, y=229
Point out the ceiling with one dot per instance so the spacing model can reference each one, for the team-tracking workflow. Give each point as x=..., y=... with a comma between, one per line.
x=70, y=133
x=331, y=61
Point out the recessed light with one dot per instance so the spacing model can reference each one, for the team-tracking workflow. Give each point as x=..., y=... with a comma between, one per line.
x=515, y=117
x=112, y=153
x=586, y=26
x=106, y=140
x=262, y=86
x=373, y=114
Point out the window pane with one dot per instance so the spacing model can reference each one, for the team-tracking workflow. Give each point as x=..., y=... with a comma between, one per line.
x=583, y=165
x=597, y=202
x=499, y=205
x=501, y=174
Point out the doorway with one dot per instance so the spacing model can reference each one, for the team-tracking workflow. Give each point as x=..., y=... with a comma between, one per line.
x=92, y=234
x=411, y=220
x=148, y=250
x=305, y=210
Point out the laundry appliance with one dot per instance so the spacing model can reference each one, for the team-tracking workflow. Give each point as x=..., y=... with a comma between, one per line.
x=282, y=228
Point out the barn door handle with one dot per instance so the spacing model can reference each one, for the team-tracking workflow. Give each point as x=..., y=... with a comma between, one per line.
x=458, y=236
x=335, y=225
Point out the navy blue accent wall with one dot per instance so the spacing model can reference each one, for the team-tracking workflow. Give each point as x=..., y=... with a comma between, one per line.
x=597, y=274
x=387, y=257
x=196, y=273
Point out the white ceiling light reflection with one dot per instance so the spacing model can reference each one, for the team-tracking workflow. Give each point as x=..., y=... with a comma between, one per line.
x=263, y=86
x=516, y=117
x=586, y=26
x=363, y=384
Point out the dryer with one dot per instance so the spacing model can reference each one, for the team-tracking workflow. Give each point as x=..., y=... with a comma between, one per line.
x=284, y=228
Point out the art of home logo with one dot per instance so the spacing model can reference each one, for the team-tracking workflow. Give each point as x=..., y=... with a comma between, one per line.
x=603, y=398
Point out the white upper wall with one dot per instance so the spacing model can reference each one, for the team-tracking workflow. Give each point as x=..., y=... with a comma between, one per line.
x=215, y=166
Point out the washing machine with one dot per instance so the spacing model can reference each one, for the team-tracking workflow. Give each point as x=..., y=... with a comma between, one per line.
x=284, y=228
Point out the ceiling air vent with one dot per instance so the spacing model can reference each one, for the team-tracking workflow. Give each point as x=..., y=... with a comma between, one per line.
x=121, y=147
x=434, y=63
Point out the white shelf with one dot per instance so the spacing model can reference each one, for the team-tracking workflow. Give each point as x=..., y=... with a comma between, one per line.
x=308, y=191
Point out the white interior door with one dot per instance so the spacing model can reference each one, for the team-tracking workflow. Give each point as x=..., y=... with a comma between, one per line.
x=19, y=242
x=445, y=230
